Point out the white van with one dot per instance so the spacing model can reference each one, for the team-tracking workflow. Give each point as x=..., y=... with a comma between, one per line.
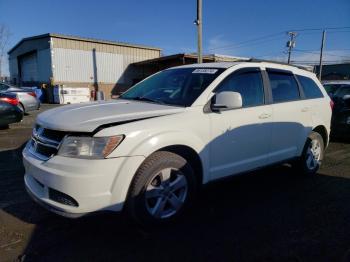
x=150, y=150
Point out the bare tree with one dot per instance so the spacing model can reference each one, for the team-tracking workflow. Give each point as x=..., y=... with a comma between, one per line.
x=4, y=40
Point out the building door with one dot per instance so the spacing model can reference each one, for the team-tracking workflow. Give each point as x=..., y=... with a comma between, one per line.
x=29, y=68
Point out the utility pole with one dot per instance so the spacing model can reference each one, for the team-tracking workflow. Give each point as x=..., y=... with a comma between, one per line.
x=321, y=54
x=291, y=44
x=198, y=23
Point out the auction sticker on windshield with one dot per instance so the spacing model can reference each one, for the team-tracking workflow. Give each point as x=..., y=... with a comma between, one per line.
x=204, y=71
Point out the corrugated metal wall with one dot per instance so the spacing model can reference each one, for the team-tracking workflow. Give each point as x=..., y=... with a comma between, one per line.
x=73, y=61
x=40, y=72
x=80, y=62
x=147, y=53
x=44, y=65
x=78, y=66
x=13, y=67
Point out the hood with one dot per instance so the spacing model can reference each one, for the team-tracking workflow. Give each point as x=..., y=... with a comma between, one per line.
x=86, y=117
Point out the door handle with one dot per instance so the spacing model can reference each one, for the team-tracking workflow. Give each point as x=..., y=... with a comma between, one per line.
x=264, y=115
x=305, y=109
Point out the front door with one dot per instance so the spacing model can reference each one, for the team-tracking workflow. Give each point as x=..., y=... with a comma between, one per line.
x=240, y=138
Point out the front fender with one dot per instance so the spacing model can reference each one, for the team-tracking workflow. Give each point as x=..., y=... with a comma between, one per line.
x=141, y=145
x=161, y=140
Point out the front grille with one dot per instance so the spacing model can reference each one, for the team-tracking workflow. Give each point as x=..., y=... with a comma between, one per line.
x=44, y=143
x=62, y=198
x=53, y=134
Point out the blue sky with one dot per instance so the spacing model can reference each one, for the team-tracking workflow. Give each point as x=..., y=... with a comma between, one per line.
x=169, y=24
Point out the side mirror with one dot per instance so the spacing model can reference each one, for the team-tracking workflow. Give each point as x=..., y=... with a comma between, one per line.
x=226, y=100
x=346, y=97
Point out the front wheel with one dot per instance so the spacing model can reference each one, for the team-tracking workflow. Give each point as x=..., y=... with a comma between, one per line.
x=311, y=159
x=162, y=189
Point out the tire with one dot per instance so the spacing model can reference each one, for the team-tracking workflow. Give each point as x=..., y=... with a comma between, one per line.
x=163, y=188
x=312, y=156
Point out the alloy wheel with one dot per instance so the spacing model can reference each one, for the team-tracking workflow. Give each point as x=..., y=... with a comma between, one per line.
x=166, y=193
x=313, y=155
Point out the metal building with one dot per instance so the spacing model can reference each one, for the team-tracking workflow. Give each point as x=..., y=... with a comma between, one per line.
x=77, y=62
x=148, y=67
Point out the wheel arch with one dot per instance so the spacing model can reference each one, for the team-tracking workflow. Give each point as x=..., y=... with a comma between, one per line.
x=190, y=155
x=24, y=109
x=323, y=132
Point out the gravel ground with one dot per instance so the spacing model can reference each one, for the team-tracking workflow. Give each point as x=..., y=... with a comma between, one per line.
x=270, y=215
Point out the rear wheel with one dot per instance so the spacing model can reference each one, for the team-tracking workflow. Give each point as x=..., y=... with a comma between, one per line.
x=311, y=159
x=162, y=189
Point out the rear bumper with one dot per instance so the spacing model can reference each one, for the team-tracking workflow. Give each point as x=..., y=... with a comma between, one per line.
x=31, y=106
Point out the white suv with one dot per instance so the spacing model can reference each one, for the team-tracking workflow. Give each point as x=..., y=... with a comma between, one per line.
x=150, y=150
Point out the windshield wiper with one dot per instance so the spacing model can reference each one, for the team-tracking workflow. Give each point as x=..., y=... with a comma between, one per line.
x=146, y=99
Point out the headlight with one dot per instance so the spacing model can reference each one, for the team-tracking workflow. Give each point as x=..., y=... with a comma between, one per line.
x=89, y=147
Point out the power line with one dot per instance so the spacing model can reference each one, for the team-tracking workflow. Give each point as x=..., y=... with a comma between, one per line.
x=328, y=50
x=316, y=53
x=239, y=44
x=321, y=29
x=236, y=45
x=272, y=53
x=333, y=32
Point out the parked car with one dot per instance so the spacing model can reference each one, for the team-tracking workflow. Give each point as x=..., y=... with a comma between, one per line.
x=341, y=114
x=149, y=151
x=27, y=97
x=331, y=86
x=9, y=111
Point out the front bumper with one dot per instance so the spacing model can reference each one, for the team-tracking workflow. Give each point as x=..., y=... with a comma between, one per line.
x=95, y=185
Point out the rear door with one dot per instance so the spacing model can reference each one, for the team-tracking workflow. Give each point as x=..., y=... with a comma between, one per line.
x=291, y=115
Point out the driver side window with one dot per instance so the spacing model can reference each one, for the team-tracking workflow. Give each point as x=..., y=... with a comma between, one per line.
x=248, y=83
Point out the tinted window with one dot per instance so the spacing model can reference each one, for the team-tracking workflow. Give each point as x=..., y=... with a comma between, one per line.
x=248, y=84
x=342, y=91
x=284, y=87
x=311, y=90
x=330, y=89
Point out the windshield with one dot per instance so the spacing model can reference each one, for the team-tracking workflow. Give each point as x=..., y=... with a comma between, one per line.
x=179, y=87
x=342, y=91
x=3, y=87
x=332, y=88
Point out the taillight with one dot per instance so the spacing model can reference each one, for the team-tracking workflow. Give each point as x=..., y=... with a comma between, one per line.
x=12, y=101
x=32, y=94
x=331, y=103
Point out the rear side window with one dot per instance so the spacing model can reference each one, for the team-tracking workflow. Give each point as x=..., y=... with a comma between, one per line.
x=249, y=84
x=311, y=89
x=283, y=86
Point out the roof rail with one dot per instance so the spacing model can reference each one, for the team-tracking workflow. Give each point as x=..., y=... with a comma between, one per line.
x=279, y=63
